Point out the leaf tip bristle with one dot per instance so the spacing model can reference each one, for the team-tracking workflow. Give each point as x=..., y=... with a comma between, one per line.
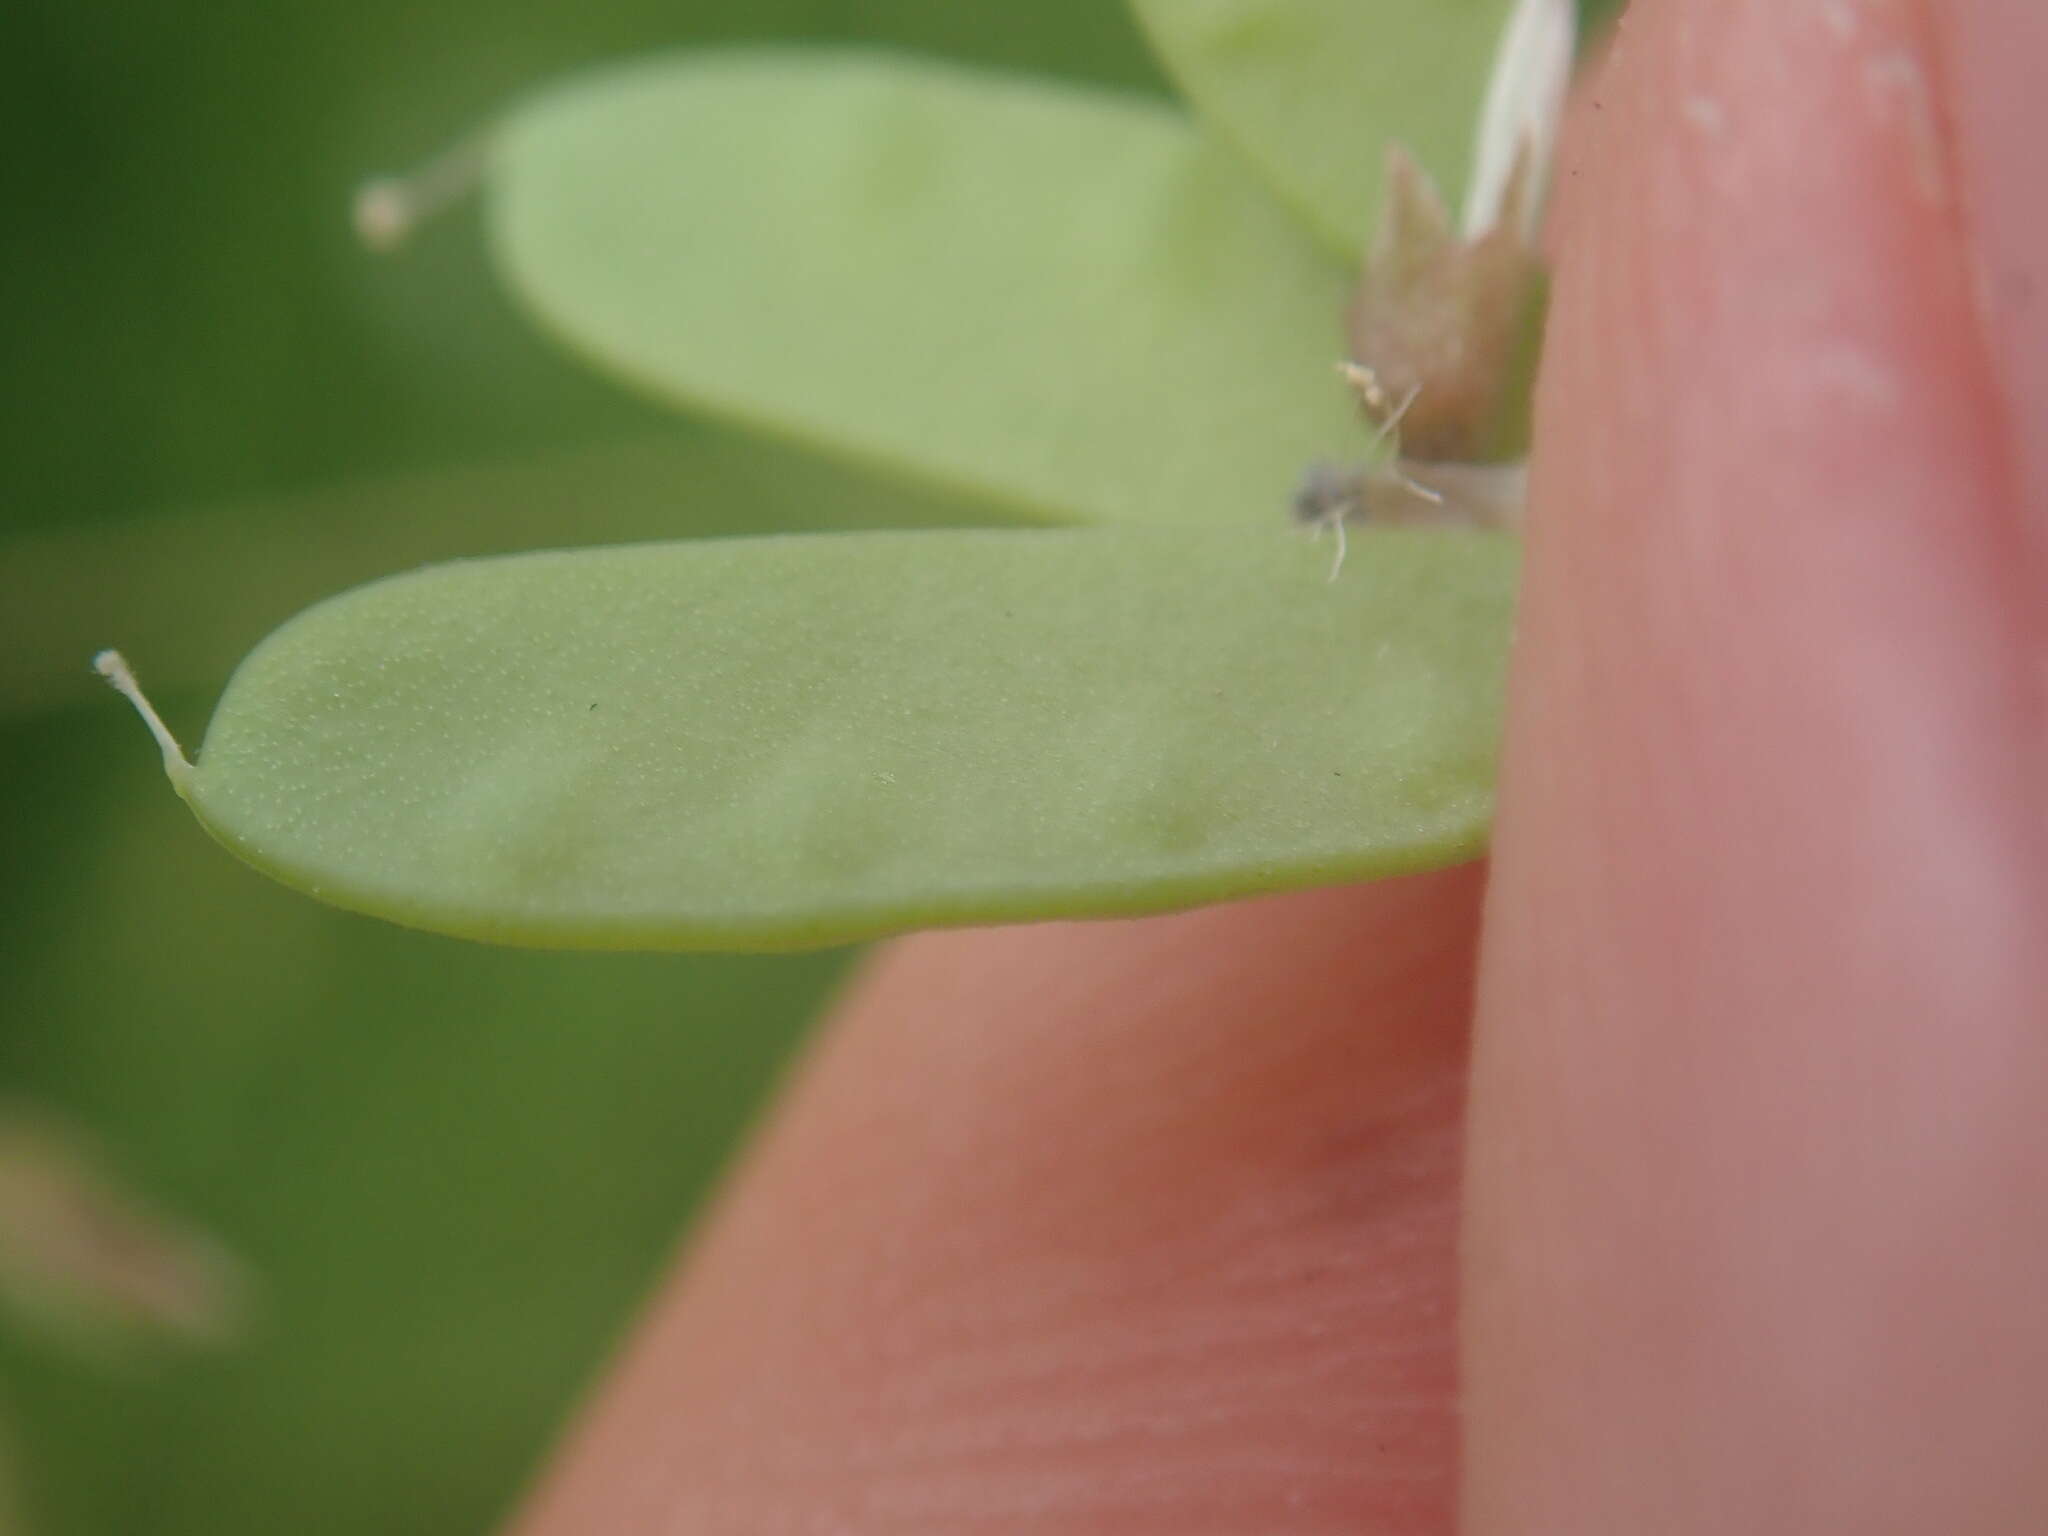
x=387, y=209
x=113, y=666
x=382, y=215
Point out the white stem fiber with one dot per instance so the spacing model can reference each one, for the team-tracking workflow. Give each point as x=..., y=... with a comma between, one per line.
x=1532, y=73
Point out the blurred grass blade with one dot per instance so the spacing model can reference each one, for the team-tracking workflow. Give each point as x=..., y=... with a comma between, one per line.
x=192, y=591
x=1062, y=300
x=1313, y=90
x=797, y=741
x=83, y=1257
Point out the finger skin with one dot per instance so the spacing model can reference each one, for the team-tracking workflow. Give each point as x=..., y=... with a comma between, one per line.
x=1758, y=1186
x=1138, y=1228
x=1991, y=54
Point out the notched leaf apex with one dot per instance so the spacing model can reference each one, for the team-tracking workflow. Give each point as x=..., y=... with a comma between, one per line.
x=1446, y=325
x=113, y=666
x=1415, y=224
x=1449, y=325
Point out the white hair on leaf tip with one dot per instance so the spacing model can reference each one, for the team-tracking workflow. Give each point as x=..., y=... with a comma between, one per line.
x=113, y=666
x=387, y=209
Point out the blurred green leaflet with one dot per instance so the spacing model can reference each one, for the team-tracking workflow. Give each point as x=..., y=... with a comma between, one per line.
x=1065, y=301
x=1312, y=90
x=798, y=741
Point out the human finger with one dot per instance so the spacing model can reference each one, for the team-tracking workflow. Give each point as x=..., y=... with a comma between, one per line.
x=1125, y=1228
x=1759, y=1157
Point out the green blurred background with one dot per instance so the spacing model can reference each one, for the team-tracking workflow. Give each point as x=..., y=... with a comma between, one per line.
x=452, y=1170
